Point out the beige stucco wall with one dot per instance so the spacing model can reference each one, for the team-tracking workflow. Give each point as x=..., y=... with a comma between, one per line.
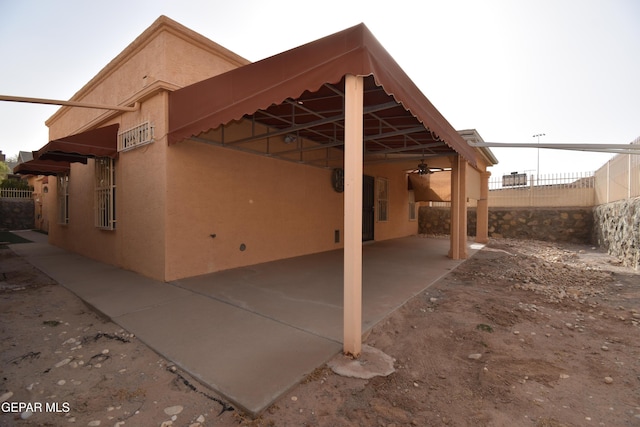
x=40, y=195
x=398, y=224
x=166, y=56
x=618, y=179
x=473, y=182
x=80, y=235
x=137, y=243
x=542, y=197
x=277, y=209
x=141, y=199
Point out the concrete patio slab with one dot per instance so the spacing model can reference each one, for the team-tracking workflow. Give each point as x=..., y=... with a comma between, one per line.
x=250, y=333
x=306, y=292
x=109, y=289
x=250, y=359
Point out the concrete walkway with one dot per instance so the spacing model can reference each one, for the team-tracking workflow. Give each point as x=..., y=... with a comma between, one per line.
x=250, y=333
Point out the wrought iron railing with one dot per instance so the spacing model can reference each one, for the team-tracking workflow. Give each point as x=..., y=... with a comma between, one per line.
x=549, y=190
x=14, y=193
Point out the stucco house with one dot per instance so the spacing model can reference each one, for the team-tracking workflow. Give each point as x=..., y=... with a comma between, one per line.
x=181, y=158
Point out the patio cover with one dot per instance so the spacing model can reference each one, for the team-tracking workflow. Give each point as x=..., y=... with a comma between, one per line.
x=100, y=142
x=41, y=167
x=343, y=91
x=301, y=91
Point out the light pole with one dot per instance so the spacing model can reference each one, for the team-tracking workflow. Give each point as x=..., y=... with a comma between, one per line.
x=538, y=135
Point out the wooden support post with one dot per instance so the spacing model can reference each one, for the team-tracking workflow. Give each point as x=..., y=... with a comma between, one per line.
x=353, y=158
x=482, y=211
x=458, y=248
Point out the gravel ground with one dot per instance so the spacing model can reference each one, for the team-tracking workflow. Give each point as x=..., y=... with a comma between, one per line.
x=525, y=333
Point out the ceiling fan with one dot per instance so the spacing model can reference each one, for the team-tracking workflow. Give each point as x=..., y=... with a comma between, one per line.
x=424, y=169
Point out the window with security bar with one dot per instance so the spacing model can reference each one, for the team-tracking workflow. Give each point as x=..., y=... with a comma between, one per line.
x=412, y=206
x=63, y=198
x=105, y=191
x=383, y=199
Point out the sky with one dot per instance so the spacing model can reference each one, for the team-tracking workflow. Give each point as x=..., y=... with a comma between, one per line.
x=510, y=69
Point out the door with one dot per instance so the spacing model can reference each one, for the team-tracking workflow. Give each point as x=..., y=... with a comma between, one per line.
x=368, y=204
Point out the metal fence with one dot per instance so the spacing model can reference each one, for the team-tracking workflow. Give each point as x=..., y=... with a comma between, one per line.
x=617, y=179
x=549, y=190
x=12, y=193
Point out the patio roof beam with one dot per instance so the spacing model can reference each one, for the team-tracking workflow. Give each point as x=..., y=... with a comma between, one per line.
x=336, y=119
x=326, y=160
x=373, y=161
x=334, y=142
x=296, y=129
x=387, y=123
x=283, y=131
x=397, y=132
x=311, y=162
x=311, y=148
x=297, y=104
x=428, y=147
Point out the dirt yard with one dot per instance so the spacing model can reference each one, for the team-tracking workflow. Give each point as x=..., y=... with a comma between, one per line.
x=523, y=334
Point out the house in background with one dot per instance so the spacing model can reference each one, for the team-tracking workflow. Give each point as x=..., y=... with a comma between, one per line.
x=40, y=185
x=191, y=160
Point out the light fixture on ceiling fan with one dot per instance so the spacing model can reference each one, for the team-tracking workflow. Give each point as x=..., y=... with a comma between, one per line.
x=423, y=169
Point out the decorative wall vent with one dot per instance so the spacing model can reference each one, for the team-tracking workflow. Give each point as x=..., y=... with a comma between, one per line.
x=135, y=137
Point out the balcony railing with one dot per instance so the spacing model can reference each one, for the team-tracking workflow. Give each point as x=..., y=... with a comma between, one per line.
x=13, y=193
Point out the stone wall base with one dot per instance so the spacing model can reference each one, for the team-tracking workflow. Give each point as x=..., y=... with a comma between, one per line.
x=617, y=229
x=16, y=214
x=572, y=225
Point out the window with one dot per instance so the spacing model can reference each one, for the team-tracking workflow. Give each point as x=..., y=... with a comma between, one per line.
x=63, y=198
x=105, y=201
x=383, y=199
x=135, y=137
x=412, y=206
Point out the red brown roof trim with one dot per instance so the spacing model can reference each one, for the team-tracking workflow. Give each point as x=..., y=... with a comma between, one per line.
x=41, y=167
x=221, y=99
x=100, y=142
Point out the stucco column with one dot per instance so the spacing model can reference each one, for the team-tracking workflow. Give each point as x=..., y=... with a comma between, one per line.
x=353, y=158
x=482, y=211
x=458, y=248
